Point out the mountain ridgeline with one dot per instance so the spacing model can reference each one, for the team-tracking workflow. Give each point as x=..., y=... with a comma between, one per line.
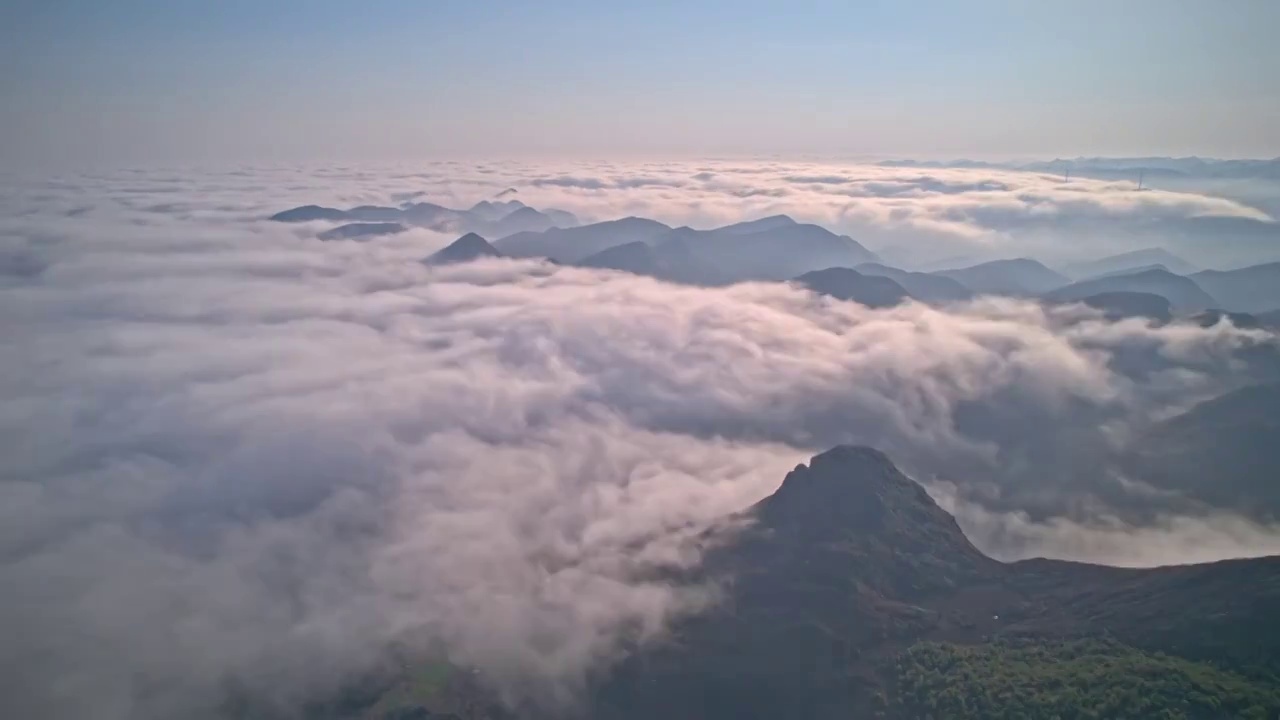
x=1152, y=283
x=849, y=592
x=772, y=248
x=496, y=218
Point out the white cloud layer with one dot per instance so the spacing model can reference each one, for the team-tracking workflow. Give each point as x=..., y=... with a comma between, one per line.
x=235, y=454
x=913, y=216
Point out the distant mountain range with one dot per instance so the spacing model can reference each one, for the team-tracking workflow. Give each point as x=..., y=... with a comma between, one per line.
x=1183, y=294
x=356, y=231
x=573, y=244
x=927, y=287
x=465, y=249
x=778, y=248
x=849, y=592
x=1020, y=277
x=874, y=291
x=772, y=248
x=1130, y=262
x=495, y=218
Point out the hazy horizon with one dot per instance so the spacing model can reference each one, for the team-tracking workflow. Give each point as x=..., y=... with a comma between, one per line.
x=156, y=84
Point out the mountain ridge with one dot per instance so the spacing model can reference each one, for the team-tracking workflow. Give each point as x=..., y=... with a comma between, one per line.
x=465, y=249
x=494, y=218
x=1183, y=293
x=1019, y=277
x=849, y=569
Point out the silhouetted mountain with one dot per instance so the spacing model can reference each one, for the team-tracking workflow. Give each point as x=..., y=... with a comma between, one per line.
x=1225, y=451
x=853, y=503
x=874, y=291
x=561, y=218
x=769, y=249
x=1131, y=271
x=772, y=248
x=1021, y=277
x=465, y=249
x=672, y=260
x=574, y=244
x=1269, y=319
x=490, y=211
x=922, y=286
x=1122, y=304
x=375, y=214
x=1250, y=289
x=521, y=220
x=493, y=218
x=354, y=231
x=850, y=565
x=633, y=257
x=431, y=215
x=1181, y=292
x=1129, y=262
x=307, y=213
x=773, y=222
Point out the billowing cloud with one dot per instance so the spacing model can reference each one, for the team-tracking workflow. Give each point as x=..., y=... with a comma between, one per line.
x=237, y=457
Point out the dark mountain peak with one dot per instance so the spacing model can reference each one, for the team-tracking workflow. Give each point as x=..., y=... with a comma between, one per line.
x=571, y=244
x=851, y=511
x=522, y=211
x=355, y=231
x=771, y=222
x=857, y=486
x=776, y=220
x=921, y=286
x=1023, y=262
x=842, y=283
x=1014, y=276
x=497, y=206
x=466, y=248
x=1183, y=294
x=470, y=240
x=847, y=456
x=1150, y=271
x=307, y=213
x=633, y=221
x=1130, y=261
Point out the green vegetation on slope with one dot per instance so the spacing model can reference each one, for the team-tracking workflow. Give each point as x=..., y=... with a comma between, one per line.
x=1067, y=680
x=424, y=685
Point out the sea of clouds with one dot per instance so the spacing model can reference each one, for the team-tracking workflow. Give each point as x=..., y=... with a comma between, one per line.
x=237, y=455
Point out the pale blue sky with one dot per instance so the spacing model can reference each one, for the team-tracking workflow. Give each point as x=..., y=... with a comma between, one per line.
x=188, y=81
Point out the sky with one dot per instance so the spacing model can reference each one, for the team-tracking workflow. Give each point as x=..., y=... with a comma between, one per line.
x=180, y=81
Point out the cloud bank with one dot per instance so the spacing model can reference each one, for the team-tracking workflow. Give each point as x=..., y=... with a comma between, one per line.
x=239, y=458
x=923, y=217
